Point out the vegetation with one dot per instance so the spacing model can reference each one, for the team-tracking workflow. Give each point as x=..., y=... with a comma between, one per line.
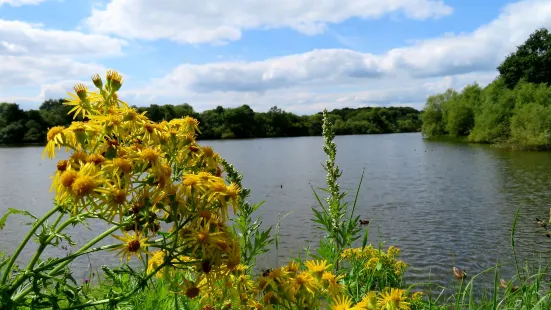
x=18, y=126
x=515, y=109
x=165, y=200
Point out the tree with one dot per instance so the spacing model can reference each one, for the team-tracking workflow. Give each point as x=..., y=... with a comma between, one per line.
x=531, y=61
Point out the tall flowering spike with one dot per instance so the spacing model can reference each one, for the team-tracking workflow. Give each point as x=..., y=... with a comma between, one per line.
x=96, y=79
x=82, y=91
x=333, y=172
x=114, y=80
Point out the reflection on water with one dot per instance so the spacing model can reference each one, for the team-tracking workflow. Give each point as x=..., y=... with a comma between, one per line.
x=443, y=203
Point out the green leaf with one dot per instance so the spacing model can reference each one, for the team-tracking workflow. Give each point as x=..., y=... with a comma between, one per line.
x=14, y=211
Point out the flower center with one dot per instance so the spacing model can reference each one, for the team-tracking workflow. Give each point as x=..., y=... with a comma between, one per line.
x=68, y=178
x=83, y=186
x=134, y=245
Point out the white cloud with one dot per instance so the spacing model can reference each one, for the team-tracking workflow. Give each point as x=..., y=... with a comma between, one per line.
x=449, y=56
x=20, y=2
x=31, y=55
x=27, y=70
x=222, y=20
x=21, y=38
x=308, y=82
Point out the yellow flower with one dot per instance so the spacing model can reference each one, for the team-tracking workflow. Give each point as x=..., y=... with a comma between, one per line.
x=332, y=283
x=305, y=281
x=156, y=260
x=233, y=193
x=393, y=251
x=417, y=296
x=87, y=181
x=202, y=241
x=342, y=303
x=317, y=267
x=369, y=301
x=132, y=246
x=54, y=138
x=114, y=80
x=393, y=300
x=292, y=267
x=400, y=267
x=371, y=263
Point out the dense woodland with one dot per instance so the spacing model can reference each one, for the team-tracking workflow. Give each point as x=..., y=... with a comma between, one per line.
x=513, y=110
x=18, y=126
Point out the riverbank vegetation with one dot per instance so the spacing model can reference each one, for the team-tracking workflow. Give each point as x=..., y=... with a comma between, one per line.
x=180, y=211
x=513, y=110
x=19, y=126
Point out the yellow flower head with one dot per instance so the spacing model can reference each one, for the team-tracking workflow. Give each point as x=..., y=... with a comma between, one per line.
x=81, y=91
x=342, y=303
x=114, y=80
x=132, y=246
x=156, y=260
x=393, y=299
x=317, y=267
x=53, y=132
x=96, y=79
x=369, y=301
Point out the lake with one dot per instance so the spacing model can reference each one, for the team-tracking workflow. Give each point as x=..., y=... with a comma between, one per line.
x=445, y=204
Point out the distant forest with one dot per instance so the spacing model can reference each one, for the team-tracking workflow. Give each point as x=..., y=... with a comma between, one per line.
x=514, y=110
x=19, y=126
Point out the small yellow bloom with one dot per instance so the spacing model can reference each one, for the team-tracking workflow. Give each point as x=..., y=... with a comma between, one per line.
x=369, y=301
x=394, y=299
x=132, y=246
x=342, y=303
x=317, y=267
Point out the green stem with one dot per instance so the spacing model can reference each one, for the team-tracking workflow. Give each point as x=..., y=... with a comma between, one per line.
x=43, y=245
x=58, y=219
x=65, y=263
x=25, y=241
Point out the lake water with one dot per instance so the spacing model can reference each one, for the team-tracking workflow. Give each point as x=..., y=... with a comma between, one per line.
x=445, y=204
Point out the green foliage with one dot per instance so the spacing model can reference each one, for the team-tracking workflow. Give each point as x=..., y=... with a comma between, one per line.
x=512, y=110
x=531, y=61
x=339, y=224
x=495, y=114
x=253, y=240
x=18, y=126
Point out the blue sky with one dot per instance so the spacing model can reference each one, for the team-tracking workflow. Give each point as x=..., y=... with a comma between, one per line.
x=302, y=56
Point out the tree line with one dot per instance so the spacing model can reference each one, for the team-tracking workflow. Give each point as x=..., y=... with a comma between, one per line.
x=514, y=110
x=19, y=126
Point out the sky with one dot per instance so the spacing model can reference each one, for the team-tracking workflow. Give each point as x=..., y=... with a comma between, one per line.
x=300, y=55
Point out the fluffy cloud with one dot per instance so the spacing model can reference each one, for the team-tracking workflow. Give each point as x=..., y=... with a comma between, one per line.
x=301, y=99
x=27, y=70
x=220, y=20
x=21, y=38
x=20, y=2
x=32, y=55
x=340, y=77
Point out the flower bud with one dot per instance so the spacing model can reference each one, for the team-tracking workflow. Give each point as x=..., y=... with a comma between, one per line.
x=97, y=81
x=82, y=91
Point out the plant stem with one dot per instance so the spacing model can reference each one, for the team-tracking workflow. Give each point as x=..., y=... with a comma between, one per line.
x=43, y=245
x=63, y=264
x=25, y=241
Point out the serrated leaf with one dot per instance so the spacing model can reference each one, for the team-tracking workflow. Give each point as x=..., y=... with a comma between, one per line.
x=14, y=211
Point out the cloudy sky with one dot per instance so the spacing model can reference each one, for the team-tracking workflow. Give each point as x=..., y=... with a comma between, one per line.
x=301, y=55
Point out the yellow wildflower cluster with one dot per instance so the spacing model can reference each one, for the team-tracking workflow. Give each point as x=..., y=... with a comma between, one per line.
x=287, y=287
x=150, y=179
x=166, y=195
x=375, y=259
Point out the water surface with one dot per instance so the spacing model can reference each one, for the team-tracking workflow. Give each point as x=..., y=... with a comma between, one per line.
x=445, y=204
